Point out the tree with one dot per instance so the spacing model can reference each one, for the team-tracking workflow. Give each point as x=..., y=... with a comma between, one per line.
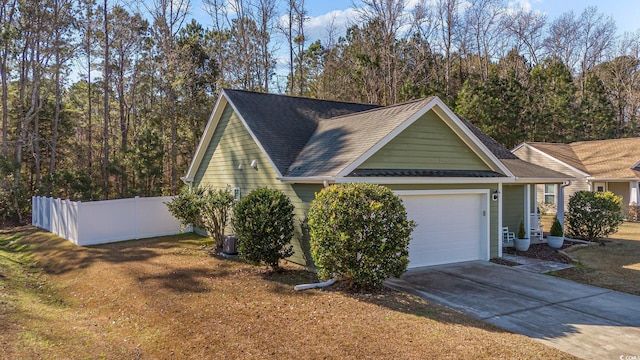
x=596, y=120
x=594, y=215
x=552, y=103
x=360, y=232
x=263, y=221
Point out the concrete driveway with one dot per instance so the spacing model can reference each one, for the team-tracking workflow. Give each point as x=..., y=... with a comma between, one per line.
x=586, y=321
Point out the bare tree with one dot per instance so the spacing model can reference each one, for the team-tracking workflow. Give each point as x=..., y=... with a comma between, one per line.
x=448, y=23
x=527, y=27
x=389, y=16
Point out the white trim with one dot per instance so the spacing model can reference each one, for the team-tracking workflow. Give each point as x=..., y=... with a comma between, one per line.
x=441, y=192
x=212, y=124
x=521, y=180
x=487, y=209
x=255, y=139
x=594, y=179
x=499, y=230
x=432, y=104
x=305, y=180
x=550, y=157
x=205, y=139
x=423, y=180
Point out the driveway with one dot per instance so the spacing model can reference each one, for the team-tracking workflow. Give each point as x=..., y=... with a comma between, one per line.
x=586, y=321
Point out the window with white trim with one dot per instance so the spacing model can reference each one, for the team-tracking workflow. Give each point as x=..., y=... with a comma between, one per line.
x=550, y=194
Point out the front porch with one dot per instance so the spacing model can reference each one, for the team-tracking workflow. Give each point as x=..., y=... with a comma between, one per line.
x=518, y=204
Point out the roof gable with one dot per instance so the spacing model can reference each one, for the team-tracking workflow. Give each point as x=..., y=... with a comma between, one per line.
x=603, y=159
x=427, y=144
x=341, y=145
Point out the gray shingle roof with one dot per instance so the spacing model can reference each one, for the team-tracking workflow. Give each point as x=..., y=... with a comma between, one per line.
x=312, y=138
x=423, y=173
x=340, y=141
x=495, y=147
x=284, y=124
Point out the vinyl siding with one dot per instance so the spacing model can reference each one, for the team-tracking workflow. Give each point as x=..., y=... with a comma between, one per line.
x=231, y=145
x=494, y=234
x=621, y=189
x=512, y=206
x=527, y=154
x=428, y=143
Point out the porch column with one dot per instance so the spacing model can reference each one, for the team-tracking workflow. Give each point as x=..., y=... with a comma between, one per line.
x=560, y=210
x=634, y=194
x=534, y=198
x=500, y=239
x=527, y=209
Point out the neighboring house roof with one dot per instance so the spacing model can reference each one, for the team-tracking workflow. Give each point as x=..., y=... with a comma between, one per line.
x=315, y=139
x=600, y=159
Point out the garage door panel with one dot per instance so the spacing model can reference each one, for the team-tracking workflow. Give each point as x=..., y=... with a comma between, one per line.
x=450, y=228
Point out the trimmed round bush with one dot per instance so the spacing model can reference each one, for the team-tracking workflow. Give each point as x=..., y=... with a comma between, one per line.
x=593, y=215
x=263, y=221
x=359, y=232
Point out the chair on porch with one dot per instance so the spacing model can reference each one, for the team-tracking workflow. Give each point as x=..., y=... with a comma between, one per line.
x=535, y=226
x=507, y=236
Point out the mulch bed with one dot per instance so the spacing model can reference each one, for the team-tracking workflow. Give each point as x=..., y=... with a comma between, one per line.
x=540, y=251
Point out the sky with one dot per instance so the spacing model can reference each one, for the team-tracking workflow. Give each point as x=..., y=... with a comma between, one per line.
x=626, y=13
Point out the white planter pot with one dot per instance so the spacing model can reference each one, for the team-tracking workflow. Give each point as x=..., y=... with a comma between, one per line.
x=555, y=241
x=522, y=244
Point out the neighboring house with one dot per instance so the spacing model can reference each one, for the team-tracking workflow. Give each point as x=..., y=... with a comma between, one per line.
x=601, y=165
x=460, y=185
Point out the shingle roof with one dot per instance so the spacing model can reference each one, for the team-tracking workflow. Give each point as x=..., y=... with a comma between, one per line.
x=283, y=124
x=423, y=173
x=562, y=152
x=340, y=141
x=526, y=170
x=605, y=159
x=314, y=138
x=495, y=147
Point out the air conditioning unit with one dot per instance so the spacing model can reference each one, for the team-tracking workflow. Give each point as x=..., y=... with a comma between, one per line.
x=230, y=245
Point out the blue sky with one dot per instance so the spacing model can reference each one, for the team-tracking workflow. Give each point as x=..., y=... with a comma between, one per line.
x=626, y=13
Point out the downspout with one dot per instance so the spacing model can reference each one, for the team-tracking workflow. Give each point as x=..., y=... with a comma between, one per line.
x=315, y=285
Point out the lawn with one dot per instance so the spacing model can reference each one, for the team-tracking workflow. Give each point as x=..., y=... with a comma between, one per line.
x=615, y=266
x=169, y=298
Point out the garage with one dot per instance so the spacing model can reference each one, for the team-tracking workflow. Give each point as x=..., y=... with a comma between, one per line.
x=452, y=226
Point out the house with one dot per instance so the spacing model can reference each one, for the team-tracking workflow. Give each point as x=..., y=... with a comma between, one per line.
x=457, y=183
x=602, y=165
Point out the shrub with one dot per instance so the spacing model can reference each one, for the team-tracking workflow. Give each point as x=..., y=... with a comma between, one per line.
x=360, y=232
x=556, y=228
x=593, y=215
x=263, y=221
x=205, y=208
x=521, y=234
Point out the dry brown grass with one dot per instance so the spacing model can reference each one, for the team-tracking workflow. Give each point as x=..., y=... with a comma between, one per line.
x=615, y=266
x=168, y=298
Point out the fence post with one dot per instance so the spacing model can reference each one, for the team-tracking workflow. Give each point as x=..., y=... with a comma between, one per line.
x=137, y=199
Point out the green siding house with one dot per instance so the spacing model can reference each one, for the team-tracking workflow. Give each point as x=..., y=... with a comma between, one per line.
x=461, y=186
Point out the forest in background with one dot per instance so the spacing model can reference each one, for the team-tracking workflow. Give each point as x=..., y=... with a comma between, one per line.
x=104, y=99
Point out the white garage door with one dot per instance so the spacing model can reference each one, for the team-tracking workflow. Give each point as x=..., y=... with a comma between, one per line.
x=451, y=228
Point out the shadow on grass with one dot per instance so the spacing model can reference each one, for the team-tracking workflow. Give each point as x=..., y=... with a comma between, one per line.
x=58, y=256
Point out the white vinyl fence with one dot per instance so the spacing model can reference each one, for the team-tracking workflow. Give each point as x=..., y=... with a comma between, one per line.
x=100, y=222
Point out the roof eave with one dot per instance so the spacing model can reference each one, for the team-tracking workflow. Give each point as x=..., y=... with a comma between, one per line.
x=306, y=179
x=423, y=180
x=527, y=180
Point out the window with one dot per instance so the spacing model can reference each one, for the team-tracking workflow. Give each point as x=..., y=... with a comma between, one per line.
x=600, y=187
x=236, y=194
x=550, y=194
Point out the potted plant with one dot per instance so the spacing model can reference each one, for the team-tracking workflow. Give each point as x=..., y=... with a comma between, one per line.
x=555, y=238
x=521, y=243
